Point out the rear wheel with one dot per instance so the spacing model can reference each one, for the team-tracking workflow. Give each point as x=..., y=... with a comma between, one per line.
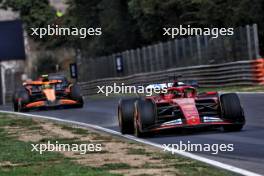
x=145, y=116
x=232, y=111
x=76, y=95
x=126, y=109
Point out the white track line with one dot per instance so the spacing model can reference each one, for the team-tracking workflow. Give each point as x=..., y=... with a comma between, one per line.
x=247, y=93
x=250, y=93
x=182, y=153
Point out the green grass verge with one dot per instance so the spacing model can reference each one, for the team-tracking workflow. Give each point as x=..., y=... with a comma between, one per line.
x=23, y=162
x=78, y=131
x=116, y=166
x=192, y=167
x=137, y=151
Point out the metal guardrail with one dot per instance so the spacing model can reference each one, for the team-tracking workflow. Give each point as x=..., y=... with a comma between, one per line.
x=178, y=53
x=249, y=72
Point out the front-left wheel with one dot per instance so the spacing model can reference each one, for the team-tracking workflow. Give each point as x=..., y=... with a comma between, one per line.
x=126, y=109
x=20, y=99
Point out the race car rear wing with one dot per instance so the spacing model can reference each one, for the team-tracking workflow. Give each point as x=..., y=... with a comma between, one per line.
x=179, y=81
x=41, y=82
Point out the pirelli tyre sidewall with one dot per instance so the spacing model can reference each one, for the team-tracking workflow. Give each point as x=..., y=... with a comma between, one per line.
x=126, y=108
x=145, y=116
x=232, y=111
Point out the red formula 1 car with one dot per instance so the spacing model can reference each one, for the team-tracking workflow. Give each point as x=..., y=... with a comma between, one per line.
x=180, y=107
x=47, y=91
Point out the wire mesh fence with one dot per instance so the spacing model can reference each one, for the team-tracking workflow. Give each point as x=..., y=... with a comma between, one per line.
x=190, y=51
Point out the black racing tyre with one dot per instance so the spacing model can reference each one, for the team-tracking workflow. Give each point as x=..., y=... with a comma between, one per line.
x=20, y=98
x=232, y=110
x=146, y=114
x=126, y=109
x=20, y=107
x=15, y=106
x=15, y=101
x=80, y=103
x=75, y=94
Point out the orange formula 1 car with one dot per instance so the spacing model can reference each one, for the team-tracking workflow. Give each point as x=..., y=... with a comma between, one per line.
x=48, y=91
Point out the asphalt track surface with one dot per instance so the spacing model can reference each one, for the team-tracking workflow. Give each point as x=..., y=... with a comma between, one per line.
x=248, y=144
